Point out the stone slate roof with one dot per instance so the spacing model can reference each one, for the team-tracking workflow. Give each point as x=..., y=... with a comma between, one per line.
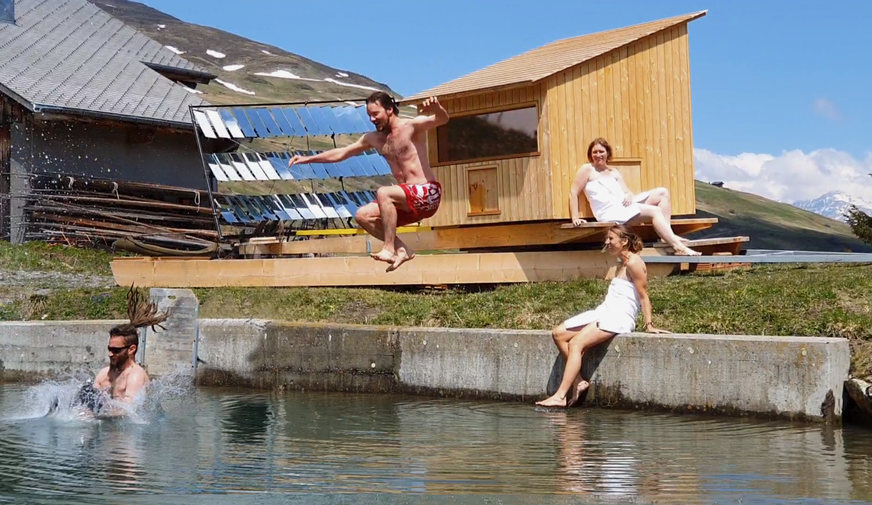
x=70, y=56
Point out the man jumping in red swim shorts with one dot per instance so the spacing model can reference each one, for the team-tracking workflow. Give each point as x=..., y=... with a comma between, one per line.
x=403, y=144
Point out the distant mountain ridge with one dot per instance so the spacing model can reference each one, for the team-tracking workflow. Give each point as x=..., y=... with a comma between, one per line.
x=771, y=224
x=834, y=205
x=248, y=71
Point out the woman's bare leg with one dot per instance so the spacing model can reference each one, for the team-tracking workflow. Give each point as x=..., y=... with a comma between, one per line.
x=588, y=337
x=660, y=198
x=663, y=229
x=561, y=337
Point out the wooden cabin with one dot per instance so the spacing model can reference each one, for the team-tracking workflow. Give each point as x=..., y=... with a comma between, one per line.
x=518, y=132
x=519, y=129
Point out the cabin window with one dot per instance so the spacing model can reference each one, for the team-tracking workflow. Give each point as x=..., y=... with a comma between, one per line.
x=7, y=11
x=493, y=135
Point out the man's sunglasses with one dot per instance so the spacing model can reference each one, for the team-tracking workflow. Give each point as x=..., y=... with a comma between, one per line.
x=116, y=350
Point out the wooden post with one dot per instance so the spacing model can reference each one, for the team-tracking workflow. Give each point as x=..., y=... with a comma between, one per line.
x=5, y=180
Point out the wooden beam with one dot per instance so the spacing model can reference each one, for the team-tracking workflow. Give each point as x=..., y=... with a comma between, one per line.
x=358, y=231
x=440, y=269
x=646, y=231
x=471, y=237
x=439, y=239
x=710, y=246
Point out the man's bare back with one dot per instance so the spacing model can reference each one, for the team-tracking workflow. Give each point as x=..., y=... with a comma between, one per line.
x=405, y=150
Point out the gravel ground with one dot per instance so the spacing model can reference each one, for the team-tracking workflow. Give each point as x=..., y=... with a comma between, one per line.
x=36, y=280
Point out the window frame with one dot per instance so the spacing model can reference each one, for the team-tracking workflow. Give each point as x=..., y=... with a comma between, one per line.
x=489, y=110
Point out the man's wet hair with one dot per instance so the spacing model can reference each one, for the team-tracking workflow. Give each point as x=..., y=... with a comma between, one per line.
x=141, y=313
x=383, y=99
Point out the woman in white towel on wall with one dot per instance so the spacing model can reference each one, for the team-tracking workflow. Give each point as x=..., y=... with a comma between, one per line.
x=628, y=292
x=612, y=201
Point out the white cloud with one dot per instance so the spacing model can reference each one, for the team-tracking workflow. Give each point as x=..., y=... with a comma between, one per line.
x=826, y=108
x=791, y=176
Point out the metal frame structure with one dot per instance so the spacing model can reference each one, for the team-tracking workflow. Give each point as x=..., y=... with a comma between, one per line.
x=283, y=119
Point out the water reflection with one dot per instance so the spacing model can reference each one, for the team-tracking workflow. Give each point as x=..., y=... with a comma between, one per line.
x=244, y=443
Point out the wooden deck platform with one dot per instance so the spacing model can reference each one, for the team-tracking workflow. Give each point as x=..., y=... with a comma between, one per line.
x=424, y=270
x=467, y=238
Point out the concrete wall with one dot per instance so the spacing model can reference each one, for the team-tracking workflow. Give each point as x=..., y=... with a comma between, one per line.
x=777, y=377
x=32, y=350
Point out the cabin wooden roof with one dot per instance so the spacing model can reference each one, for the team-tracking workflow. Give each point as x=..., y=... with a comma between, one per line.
x=542, y=62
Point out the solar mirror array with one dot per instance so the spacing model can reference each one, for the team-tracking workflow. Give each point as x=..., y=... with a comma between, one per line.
x=248, y=122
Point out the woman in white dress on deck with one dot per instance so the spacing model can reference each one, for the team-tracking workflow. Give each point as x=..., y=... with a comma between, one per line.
x=612, y=201
x=628, y=292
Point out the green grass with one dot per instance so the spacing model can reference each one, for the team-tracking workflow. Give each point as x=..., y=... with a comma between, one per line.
x=806, y=300
x=41, y=257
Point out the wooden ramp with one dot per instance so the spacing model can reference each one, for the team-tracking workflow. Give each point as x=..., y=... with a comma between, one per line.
x=424, y=270
x=462, y=238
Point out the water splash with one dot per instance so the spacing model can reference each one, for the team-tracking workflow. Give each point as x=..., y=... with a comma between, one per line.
x=61, y=400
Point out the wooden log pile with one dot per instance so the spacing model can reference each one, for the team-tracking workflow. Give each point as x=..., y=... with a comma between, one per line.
x=143, y=218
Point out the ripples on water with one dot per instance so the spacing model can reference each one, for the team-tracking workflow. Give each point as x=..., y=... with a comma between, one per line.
x=187, y=442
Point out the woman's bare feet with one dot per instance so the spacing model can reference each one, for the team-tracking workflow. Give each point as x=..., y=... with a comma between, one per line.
x=579, y=387
x=686, y=251
x=553, y=401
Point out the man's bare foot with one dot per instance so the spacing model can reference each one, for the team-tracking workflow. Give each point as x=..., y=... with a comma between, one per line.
x=384, y=255
x=553, y=401
x=580, y=387
x=402, y=256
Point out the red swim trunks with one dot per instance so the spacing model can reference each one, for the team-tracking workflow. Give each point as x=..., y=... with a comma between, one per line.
x=423, y=200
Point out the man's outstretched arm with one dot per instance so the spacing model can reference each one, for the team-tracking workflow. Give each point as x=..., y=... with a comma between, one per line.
x=335, y=155
x=432, y=115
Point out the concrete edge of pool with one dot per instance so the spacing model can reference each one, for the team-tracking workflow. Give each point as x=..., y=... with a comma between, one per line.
x=798, y=378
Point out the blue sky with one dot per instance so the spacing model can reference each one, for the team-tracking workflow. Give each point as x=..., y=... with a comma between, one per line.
x=767, y=76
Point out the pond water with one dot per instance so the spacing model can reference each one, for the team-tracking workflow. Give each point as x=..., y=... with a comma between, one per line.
x=242, y=446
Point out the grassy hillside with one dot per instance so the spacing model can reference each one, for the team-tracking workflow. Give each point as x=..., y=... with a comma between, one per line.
x=770, y=224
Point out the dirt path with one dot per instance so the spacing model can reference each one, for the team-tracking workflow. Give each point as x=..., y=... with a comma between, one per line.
x=49, y=280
